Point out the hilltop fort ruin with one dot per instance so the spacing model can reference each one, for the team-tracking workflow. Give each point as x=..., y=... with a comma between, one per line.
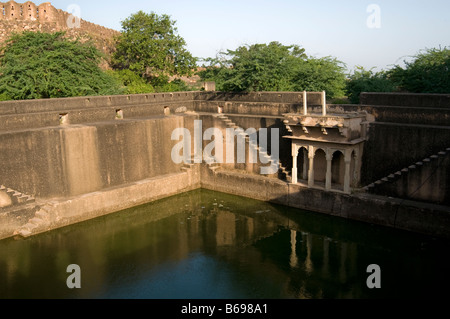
x=19, y=17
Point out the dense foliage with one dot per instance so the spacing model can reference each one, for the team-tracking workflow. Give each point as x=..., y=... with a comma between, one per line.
x=37, y=65
x=367, y=81
x=149, y=53
x=274, y=67
x=130, y=82
x=321, y=74
x=429, y=72
x=150, y=47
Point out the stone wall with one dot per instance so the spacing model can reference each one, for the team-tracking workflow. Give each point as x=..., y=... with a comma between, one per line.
x=427, y=180
x=259, y=103
x=19, y=17
x=406, y=99
x=76, y=150
x=66, y=161
x=394, y=146
x=32, y=114
x=433, y=220
x=398, y=135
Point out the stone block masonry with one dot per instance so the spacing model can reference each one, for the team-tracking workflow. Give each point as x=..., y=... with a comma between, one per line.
x=84, y=157
x=19, y=17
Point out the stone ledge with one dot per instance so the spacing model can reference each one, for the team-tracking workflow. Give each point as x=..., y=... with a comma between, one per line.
x=65, y=212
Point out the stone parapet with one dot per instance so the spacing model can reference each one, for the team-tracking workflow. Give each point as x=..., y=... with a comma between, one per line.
x=19, y=17
x=406, y=99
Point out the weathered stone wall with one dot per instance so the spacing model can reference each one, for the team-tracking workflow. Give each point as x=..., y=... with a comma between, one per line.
x=406, y=99
x=31, y=114
x=427, y=180
x=400, y=134
x=433, y=220
x=393, y=146
x=19, y=17
x=260, y=103
x=398, y=137
x=88, y=148
x=73, y=160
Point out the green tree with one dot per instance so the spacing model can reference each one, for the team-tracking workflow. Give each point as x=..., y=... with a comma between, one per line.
x=37, y=65
x=429, y=72
x=259, y=67
x=150, y=47
x=130, y=82
x=176, y=85
x=321, y=74
x=274, y=67
x=367, y=81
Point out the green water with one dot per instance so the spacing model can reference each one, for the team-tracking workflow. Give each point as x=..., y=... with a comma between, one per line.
x=208, y=245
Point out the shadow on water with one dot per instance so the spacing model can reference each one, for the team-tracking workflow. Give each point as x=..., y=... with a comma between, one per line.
x=208, y=245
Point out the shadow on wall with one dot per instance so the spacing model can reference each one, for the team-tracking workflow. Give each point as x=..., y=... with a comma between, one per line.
x=392, y=147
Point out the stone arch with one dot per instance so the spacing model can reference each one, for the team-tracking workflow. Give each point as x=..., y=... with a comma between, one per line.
x=354, y=176
x=338, y=168
x=303, y=162
x=320, y=165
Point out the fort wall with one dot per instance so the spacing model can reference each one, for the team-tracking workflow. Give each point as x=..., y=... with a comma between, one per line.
x=19, y=17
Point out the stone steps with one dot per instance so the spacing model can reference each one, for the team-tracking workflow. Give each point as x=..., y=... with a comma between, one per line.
x=392, y=178
x=17, y=198
x=285, y=174
x=38, y=223
x=241, y=132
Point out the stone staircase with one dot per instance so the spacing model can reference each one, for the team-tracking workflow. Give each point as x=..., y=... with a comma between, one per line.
x=394, y=184
x=264, y=156
x=285, y=173
x=16, y=197
x=39, y=223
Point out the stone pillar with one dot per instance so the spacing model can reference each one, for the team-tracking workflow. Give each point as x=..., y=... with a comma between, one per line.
x=305, y=165
x=347, y=177
x=294, y=164
x=210, y=86
x=305, y=103
x=328, y=174
x=324, y=103
x=357, y=172
x=311, y=155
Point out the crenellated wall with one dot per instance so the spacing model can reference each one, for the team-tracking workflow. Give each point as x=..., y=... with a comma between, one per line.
x=19, y=17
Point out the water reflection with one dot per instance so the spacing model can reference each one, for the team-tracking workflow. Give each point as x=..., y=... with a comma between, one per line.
x=211, y=245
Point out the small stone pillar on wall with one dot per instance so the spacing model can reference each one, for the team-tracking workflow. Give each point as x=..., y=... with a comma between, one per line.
x=210, y=86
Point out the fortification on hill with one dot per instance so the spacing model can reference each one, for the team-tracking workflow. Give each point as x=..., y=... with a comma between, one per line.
x=19, y=17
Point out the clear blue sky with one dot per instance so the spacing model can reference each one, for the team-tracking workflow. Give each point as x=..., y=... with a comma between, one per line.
x=322, y=27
